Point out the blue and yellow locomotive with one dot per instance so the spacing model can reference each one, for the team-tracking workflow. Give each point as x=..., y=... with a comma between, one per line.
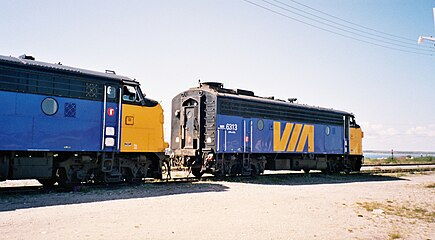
x=228, y=132
x=69, y=125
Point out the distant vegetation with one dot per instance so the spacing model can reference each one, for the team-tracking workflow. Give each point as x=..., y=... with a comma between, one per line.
x=406, y=209
x=400, y=160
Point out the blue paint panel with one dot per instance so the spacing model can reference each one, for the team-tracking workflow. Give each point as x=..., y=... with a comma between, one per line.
x=328, y=141
x=8, y=103
x=252, y=137
x=66, y=134
x=262, y=139
x=230, y=134
x=15, y=132
x=24, y=126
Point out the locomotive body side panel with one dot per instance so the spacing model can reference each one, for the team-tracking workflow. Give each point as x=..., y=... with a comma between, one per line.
x=252, y=135
x=141, y=129
x=16, y=131
x=75, y=126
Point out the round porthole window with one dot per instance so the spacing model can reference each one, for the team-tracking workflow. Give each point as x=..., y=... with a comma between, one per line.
x=327, y=131
x=49, y=106
x=260, y=124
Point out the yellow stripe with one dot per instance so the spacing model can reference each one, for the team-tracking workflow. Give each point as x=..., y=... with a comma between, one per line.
x=307, y=133
x=279, y=143
x=294, y=138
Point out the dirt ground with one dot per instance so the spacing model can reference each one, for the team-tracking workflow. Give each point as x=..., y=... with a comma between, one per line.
x=282, y=206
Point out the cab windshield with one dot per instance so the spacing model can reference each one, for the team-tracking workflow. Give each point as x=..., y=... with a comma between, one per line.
x=132, y=94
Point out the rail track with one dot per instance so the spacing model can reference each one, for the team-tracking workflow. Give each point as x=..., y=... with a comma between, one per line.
x=384, y=168
x=14, y=187
x=398, y=164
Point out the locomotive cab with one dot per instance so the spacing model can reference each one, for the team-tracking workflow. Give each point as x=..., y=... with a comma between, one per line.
x=74, y=125
x=140, y=115
x=356, y=136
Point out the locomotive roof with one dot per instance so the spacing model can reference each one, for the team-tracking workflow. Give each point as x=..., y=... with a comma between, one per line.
x=29, y=61
x=217, y=88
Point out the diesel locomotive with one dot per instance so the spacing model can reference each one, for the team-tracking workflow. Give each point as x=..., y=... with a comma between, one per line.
x=69, y=125
x=234, y=132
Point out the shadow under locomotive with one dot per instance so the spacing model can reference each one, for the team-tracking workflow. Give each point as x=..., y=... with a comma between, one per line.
x=91, y=194
x=313, y=178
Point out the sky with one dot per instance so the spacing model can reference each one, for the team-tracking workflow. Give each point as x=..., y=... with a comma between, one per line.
x=169, y=45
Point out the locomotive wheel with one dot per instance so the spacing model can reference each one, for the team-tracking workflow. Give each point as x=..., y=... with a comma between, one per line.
x=127, y=175
x=254, y=172
x=197, y=172
x=235, y=169
x=328, y=171
x=333, y=168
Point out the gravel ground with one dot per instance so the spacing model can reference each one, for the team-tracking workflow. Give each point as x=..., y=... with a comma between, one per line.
x=290, y=206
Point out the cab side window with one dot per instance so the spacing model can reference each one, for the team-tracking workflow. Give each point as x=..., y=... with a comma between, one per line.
x=129, y=94
x=133, y=95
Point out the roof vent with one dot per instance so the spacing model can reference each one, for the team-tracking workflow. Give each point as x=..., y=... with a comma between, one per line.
x=24, y=56
x=214, y=84
x=245, y=92
x=110, y=72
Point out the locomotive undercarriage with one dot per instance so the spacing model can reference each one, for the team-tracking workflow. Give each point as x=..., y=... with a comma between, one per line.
x=307, y=162
x=222, y=164
x=255, y=164
x=235, y=164
x=125, y=167
x=68, y=169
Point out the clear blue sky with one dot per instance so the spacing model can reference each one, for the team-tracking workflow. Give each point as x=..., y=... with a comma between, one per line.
x=169, y=45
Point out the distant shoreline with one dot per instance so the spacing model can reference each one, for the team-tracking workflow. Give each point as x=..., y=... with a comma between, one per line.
x=382, y=153
x=379, y=155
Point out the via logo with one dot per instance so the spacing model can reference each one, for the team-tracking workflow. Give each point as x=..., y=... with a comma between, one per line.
x=293, y=138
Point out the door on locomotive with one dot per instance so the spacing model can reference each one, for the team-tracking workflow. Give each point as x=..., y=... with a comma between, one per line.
x=190, y=132
x=247, y=136
x=190, y=126
x=111, y=126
